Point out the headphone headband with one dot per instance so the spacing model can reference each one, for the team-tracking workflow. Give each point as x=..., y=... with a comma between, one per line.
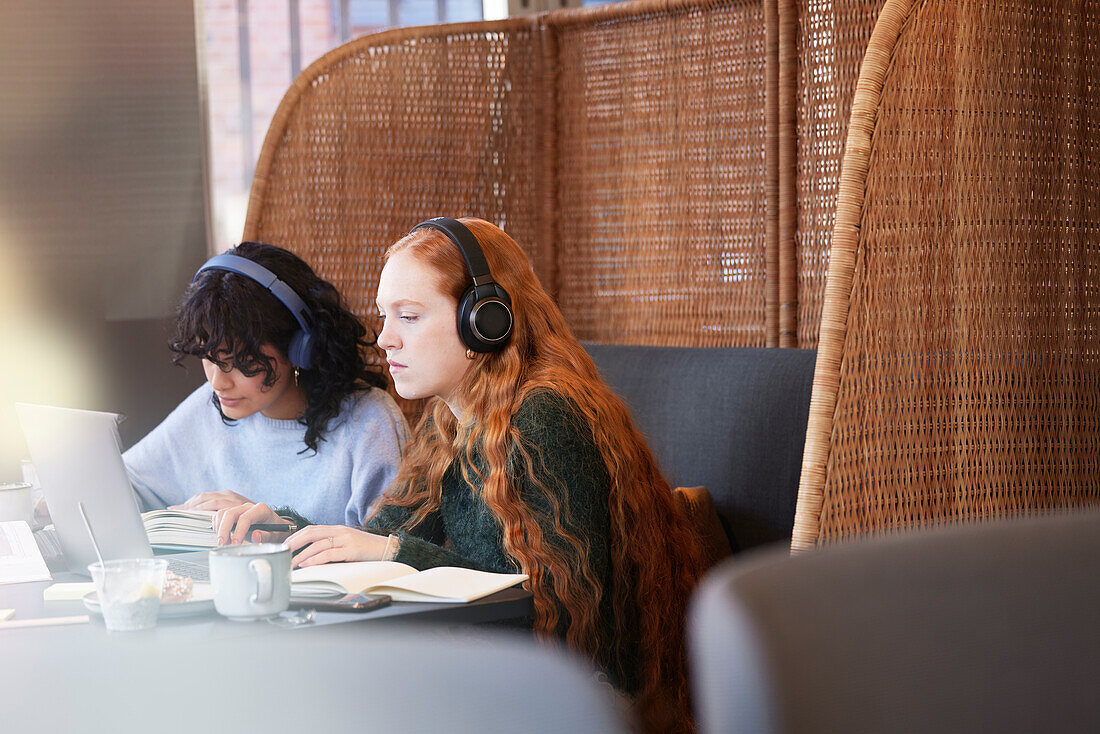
x=300, y=344
x=484, y=313
x=467, y=244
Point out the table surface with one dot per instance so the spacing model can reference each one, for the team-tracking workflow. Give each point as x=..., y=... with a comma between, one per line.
x=511, y=606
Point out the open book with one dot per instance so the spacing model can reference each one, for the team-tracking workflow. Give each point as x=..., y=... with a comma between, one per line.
x=180, y=529
x=402, y=582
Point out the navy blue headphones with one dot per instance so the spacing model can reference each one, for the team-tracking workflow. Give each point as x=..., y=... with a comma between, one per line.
x=485, y=309
x=300, y=352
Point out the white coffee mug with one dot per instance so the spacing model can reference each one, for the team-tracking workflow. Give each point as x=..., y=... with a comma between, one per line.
x=250, y=581
x=15, y=502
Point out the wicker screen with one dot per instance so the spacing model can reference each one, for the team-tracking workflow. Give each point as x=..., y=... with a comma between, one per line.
x=395, y=128
x=660, y=170
x=832, y=36
x=969, y=373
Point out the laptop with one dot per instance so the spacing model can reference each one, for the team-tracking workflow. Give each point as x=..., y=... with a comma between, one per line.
x=77, y=456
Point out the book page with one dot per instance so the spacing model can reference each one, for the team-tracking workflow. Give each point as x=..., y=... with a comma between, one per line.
x=338, y=579
x=20, y=559
x=185, y=518
x=447, y=584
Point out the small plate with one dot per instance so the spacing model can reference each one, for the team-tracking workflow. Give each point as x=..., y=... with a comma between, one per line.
x=201, y=602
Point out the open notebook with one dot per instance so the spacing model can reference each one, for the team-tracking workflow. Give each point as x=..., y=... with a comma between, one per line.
x=402, y=582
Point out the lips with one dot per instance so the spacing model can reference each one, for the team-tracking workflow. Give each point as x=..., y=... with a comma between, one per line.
x=229, y=402
x=395, y=366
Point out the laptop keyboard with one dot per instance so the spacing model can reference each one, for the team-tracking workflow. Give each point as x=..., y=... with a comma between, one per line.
x=196, y=571
x=48, y=544
x=50, y=547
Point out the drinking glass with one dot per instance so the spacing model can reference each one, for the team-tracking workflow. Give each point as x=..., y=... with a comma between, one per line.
x=129, y=591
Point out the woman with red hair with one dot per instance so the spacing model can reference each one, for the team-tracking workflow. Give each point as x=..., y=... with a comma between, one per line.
x=524, y=461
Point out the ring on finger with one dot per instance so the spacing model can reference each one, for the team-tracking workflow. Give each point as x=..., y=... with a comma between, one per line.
x=332, y=541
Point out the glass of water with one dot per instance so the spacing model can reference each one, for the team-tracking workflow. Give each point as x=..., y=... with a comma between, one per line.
x=129, y=591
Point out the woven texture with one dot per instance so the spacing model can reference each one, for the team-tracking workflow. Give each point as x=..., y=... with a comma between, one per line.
x=661, y=176
x=833, y=36
x=959, y=370
x=622, y=147
x=392, y=129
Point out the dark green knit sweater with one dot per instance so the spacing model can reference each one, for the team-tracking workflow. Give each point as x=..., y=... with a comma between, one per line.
x=571, y=469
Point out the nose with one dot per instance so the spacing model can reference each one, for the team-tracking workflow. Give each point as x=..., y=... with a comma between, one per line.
x=219, y=380
x=387, y=338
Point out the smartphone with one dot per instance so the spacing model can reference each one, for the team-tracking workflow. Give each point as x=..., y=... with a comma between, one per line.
x=350, y=603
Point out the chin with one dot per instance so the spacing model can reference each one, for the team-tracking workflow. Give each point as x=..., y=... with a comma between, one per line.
x=236, y=413
x=406, y=392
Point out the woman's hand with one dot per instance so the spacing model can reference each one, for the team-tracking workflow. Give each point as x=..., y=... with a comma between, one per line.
x=233, y=524
x=212, y=501
x=332, y=543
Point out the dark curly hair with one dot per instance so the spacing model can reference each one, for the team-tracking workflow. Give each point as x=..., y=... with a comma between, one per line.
x=226, y=317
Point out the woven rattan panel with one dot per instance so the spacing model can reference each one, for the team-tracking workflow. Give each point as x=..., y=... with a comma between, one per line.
x=833, y=36
x=970, y=381
x=393, y=129
x=661, y=177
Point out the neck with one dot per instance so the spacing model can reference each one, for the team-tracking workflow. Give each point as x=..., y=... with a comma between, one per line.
x=455, y=406
x=291, y=406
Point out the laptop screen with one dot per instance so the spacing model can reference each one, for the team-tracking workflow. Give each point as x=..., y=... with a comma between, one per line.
x=77, y=456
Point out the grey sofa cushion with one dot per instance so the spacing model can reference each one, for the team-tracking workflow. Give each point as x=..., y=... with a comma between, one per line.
x=730, y=419
x=989, y=627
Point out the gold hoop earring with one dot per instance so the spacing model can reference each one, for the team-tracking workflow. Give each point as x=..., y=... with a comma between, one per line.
x=470, y=354
x=295, y=376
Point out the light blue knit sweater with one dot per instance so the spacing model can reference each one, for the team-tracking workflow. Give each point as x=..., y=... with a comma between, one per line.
x=266, y=460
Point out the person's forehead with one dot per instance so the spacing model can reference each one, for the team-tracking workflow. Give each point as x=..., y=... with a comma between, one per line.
x=408, y=278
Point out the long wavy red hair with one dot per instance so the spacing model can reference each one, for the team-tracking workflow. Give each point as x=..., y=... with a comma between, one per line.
x=654, y=557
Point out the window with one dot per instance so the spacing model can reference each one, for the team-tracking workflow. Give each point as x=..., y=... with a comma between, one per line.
x=253, y=50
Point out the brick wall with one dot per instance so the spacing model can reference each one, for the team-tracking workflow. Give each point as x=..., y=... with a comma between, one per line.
x=235, y=136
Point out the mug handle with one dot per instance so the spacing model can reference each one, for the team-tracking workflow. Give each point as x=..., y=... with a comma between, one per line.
x=261, y=569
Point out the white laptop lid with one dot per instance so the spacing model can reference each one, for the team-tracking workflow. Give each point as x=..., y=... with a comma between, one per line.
x=77, y=457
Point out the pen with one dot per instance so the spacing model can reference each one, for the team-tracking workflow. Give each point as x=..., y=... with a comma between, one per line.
x=274, y=527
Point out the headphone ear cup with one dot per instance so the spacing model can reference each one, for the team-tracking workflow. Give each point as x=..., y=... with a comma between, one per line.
x=485, y=323
x=492, y=322
x=465, y=333
x=503, y=295
x=300, y=352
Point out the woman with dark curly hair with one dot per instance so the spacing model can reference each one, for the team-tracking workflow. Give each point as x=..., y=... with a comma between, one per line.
x=291, y=413
x=524, y=461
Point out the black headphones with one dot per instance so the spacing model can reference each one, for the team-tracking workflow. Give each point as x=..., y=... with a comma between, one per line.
x=485, y=309
x=300, y=351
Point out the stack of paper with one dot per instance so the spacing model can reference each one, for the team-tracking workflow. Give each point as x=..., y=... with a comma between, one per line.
x=20, y=559
x=180, y=529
